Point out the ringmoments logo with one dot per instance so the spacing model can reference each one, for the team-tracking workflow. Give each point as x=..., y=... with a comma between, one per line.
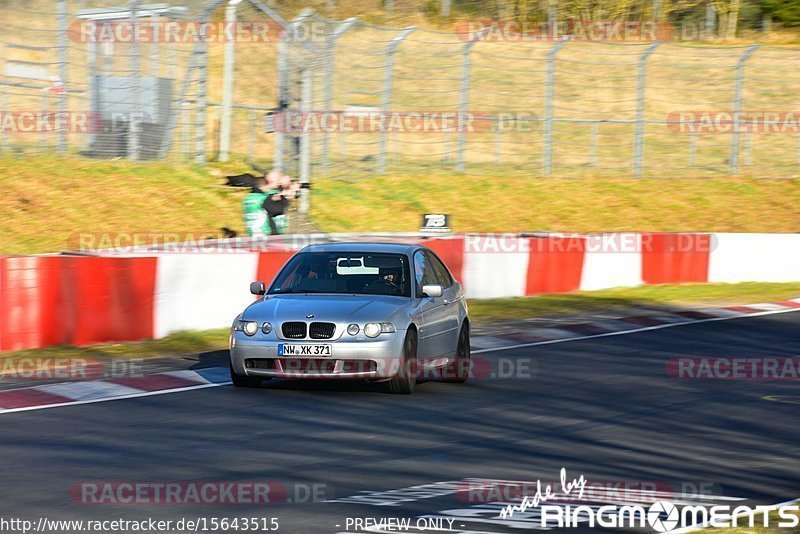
x=661, y=516
x=665, y=516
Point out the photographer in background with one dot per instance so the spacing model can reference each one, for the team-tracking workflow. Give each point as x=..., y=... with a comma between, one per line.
x=280, y=192
x=256, y=220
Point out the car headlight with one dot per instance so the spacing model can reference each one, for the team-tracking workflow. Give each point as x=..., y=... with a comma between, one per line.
x=266, y=328
x=250, y=327
x=353, y=329
x=375, y=329
x=372, y=329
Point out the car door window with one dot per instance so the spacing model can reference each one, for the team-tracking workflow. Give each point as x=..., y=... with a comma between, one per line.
x=440, y=272
x=423, y=271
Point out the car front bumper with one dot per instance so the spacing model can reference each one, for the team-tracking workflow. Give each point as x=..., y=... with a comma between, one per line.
x=349, y=360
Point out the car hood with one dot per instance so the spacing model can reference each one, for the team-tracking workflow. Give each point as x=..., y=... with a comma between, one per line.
x=331, y=308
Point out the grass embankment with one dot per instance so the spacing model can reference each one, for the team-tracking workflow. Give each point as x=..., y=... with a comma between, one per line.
x=503, y=203
x=48, y=201
x=481, y=311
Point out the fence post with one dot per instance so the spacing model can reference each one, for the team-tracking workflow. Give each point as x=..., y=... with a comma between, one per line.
x=283, y=96
x=155, y=51
x=201, y=108
x=63, y=72
x=134, y=121
x=463, y=107
x=305, y=142
x=329, y=72
x=641, y=80
x=387, y=91
x=738, y=97
x=186, y=124
x=227, y=82
x=549, y=91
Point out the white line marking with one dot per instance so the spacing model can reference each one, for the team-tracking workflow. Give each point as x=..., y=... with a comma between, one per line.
x=89, y=390
x=643, y=329
x=4, y=411
x=510, y=347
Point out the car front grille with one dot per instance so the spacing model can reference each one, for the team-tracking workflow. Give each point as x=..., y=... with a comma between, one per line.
x=308, y=364
x=321, y=330
x=294, y=330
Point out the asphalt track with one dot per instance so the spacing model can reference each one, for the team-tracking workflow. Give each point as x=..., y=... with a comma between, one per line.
x=604, y=408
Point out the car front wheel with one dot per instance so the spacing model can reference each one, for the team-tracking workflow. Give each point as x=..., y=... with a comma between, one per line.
x=244, y=381
x=405, y=381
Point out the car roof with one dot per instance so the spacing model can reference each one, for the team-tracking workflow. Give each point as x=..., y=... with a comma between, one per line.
x=394, y=248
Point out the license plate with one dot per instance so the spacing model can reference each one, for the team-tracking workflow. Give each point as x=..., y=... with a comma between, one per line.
x=288, y=349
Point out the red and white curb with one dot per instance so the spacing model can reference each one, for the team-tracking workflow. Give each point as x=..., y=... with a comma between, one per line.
x=624, y=325
x=92, y=391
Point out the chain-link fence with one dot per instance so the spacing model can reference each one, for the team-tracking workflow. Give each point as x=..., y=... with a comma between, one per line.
x=347, y=98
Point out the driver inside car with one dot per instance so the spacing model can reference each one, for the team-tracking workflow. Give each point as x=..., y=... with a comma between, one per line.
x=387, y=283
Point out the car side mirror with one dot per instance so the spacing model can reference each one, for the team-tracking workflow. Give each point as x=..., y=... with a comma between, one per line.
x=258, y=288
x=432, y=291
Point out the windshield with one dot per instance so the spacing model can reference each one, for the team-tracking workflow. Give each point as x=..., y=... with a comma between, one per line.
x=344, y=272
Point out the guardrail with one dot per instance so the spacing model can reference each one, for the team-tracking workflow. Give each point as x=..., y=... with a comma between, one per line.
x=78, y=299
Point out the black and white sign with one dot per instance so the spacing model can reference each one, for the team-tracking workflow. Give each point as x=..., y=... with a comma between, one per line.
x=435, y=223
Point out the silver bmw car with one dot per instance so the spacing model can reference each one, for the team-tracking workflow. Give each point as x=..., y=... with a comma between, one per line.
x=364, y=311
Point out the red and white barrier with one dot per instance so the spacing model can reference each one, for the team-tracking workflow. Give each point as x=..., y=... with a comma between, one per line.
x=79, y=300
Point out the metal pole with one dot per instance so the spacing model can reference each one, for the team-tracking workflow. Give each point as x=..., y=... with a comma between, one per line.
x=463, y=107
x=285, y=62
x=201, y=108
x=387, y=91
x=710, y=18
x=155, y=49
x=445, y=8
x=94, y=90
x=329, y=71
x=547, y=157
x=63, y=72
x=738, y=97
x=305, y=144
x=134, y=121
x=283, y=98
x=552, y=18
x=199, y=56
x=187, y=126
x=641, y=78
x=227, y=82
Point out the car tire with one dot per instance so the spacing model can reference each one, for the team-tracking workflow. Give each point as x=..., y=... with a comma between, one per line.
x=244, y=381
x=458, y=371
x=405, y=381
